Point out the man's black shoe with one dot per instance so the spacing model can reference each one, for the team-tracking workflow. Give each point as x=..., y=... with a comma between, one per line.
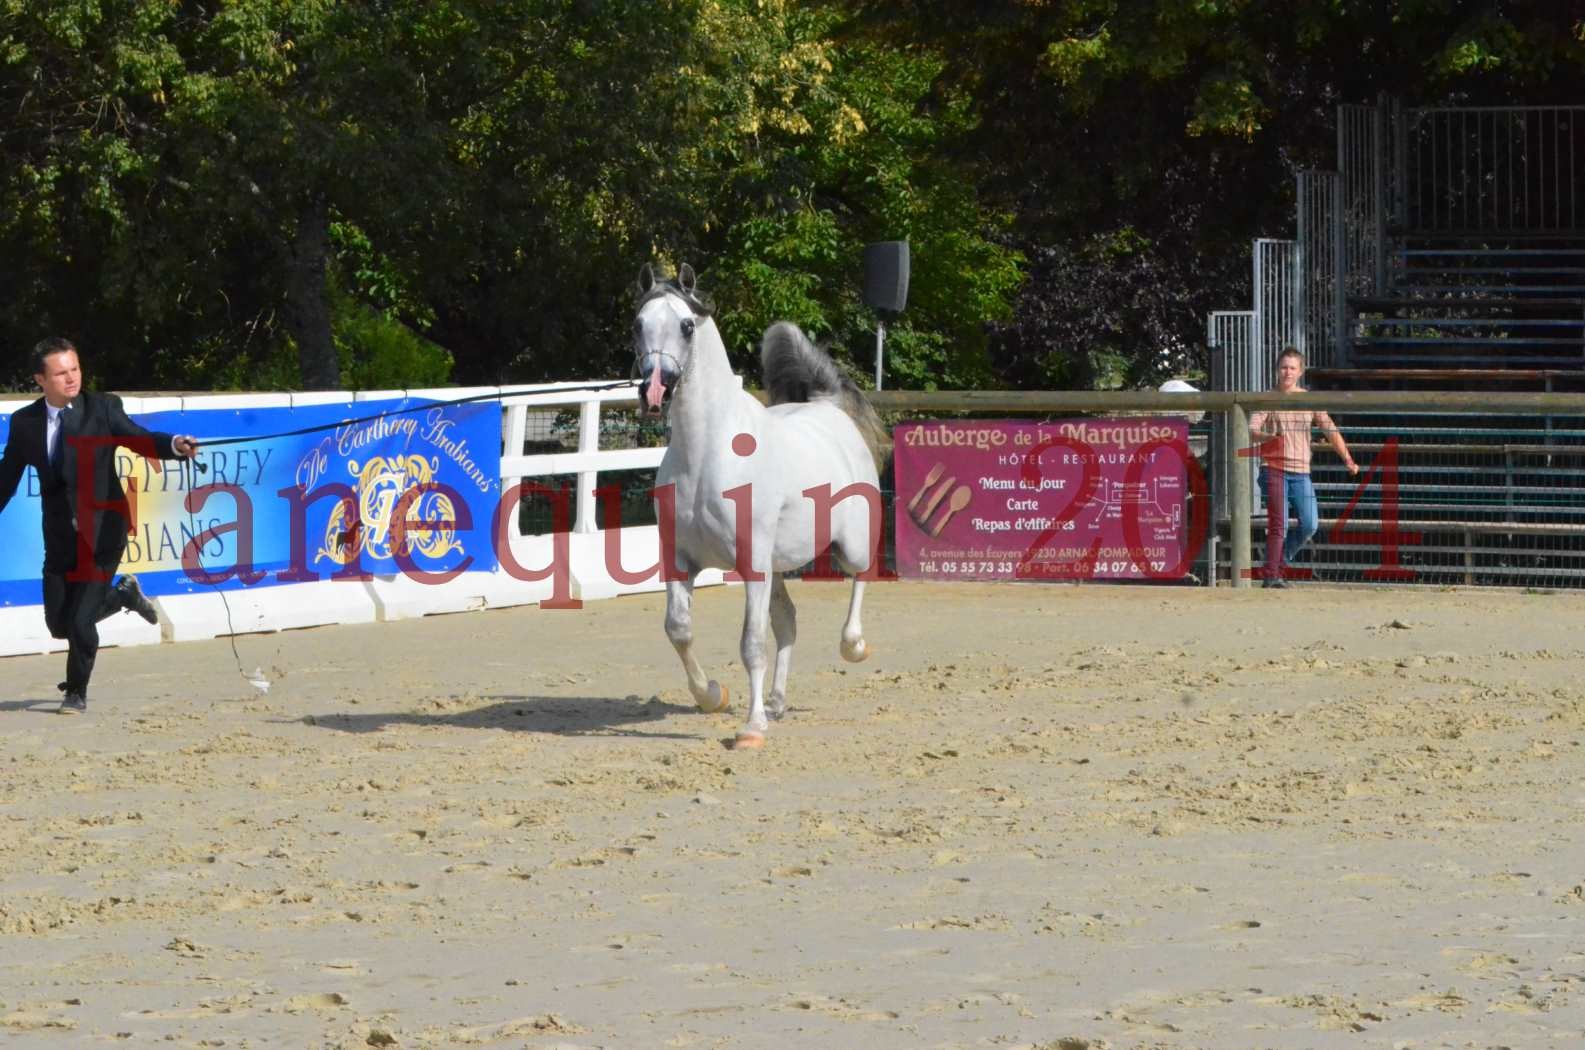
x=131, y=596
x=1278, y=584
x=73, y=704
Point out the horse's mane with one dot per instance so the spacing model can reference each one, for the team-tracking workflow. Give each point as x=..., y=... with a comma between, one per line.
x=701, y=306
x=794, y=370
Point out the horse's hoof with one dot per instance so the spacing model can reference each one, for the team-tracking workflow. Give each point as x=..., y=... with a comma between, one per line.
x=748, y=740
x=715, y=699
x=855, y=652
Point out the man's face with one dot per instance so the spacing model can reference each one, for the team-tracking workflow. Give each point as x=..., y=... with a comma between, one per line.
x=1289, y=372
x=61, y=379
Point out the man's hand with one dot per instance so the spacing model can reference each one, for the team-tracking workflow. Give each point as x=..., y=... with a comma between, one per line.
x=1353, y=468
x=185, y=445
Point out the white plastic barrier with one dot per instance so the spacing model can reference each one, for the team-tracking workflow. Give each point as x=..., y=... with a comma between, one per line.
x=277, y=607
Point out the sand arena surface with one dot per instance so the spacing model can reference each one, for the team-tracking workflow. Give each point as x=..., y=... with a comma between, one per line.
x=1051, y=816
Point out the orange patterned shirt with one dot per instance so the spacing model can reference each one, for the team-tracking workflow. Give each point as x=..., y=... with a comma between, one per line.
x=1289, y=451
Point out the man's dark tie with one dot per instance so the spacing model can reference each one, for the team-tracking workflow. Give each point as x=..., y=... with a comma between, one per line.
x=58, y=453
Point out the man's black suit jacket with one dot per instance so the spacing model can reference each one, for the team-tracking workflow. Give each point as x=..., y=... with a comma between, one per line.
x=90, y=431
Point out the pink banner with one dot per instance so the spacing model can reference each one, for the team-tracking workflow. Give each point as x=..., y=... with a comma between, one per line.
x=1066, y=499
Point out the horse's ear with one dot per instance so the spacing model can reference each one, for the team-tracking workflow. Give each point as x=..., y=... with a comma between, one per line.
x=686, y=278
x=646, y=279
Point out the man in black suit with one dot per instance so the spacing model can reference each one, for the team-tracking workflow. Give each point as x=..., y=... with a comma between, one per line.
x=70, y=436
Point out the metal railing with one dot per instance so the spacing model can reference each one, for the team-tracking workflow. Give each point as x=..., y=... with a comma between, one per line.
x=1234, y=366
x=1455, y=488
x=1468, y=488
x=1322, y=305
x=1474, y=500
x=1277, y=319
x=1361, y=160
x=1463, y=180
x=1500, y=170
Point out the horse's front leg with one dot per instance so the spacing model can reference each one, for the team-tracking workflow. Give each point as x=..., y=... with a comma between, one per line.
x=708, y=695
x=756, y=617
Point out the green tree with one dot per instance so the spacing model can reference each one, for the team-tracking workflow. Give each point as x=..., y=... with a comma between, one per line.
x=185, y=188
x=834, y=141
x=172, y=174
x=1141, y=144
x=271, y=191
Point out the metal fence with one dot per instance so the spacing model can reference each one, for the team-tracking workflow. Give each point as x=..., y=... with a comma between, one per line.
x=1322, y=307
x=1234, y=366
x=1277, y=317
x=1455, y=488
x=1361, y=160
x=1452, y=499
x=1466, y=187
x=1499, y=170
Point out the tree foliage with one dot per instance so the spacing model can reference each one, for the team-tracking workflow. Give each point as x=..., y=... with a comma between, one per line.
x=313, y=192
x=1141, y=144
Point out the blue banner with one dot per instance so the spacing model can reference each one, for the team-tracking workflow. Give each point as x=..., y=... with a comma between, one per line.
x=311, y=506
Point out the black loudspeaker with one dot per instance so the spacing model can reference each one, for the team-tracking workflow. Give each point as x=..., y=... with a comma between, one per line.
x=886, y=276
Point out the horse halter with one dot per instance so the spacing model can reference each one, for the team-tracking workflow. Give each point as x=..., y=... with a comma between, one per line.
x=688, y=322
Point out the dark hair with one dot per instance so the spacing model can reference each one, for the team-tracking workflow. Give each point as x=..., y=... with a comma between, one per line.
x=1291, y=351
x=45, y=348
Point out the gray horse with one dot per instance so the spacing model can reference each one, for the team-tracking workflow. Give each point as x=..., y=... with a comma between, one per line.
x=762, y=490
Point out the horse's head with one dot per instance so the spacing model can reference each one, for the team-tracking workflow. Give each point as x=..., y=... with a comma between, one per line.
x=669, y=313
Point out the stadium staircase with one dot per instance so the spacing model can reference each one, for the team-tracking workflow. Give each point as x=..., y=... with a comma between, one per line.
x=1471, y=499
x=1490, y=500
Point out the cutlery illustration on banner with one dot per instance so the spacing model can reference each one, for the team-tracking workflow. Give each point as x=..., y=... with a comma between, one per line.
x=935, y=497
x=930, y=479
x=960, y=499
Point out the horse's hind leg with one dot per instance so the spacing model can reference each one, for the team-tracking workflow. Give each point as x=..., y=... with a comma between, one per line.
x=784, y=625
x=708, y=695
x=854, y=649
x=857, y=548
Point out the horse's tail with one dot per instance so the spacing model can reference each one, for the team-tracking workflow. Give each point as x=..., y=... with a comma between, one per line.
x=795, y=369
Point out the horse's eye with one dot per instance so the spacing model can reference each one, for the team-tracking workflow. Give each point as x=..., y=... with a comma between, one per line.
x=687, y=328
x=638, y=326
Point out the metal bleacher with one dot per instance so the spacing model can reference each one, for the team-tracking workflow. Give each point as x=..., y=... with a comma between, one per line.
x=1447, y=253
x=1475, y=302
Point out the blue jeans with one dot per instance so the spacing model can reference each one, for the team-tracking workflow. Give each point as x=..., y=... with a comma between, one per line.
x=1283, y=491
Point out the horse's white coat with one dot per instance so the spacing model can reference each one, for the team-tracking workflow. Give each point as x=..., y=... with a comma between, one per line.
x=713, y=469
